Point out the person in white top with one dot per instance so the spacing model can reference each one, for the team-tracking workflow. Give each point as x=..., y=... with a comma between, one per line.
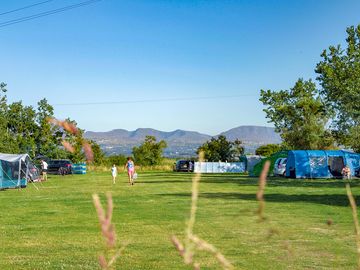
x=114, y=173
x=44, y=168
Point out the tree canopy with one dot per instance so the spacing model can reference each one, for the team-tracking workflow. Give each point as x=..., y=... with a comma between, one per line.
x=339, y=75
x=220, y=149
x=268, y=149
x=150, y=152
x=311, y=118
x=299, y=115
x=25, y=129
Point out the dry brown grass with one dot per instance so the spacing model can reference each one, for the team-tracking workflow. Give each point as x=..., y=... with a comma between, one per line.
x=108, y=231
x=261, y=190
x=192, y=242
x=355, y=219
x=72, y=129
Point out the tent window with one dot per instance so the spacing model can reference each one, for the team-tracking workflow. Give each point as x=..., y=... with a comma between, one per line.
x=317, y=162
x=336, y=164
x=8, y=170
x=353, y=161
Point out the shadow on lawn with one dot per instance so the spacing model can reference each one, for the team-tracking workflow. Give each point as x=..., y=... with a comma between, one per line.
x=166, y=175
x=284, y=182
x=164, y=181
x=243, y=180
x=163, y=178
x=326, y=199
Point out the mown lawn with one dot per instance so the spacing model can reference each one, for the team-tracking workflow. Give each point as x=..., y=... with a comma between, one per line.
x=309, y=223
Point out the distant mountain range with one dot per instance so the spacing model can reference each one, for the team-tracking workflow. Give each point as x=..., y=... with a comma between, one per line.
x=180, y=142
x=122, y=136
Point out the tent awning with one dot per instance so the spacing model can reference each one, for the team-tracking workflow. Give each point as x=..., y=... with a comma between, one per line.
x=13, y=157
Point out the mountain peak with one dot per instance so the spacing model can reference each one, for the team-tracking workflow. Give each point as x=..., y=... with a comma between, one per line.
x=258, y=134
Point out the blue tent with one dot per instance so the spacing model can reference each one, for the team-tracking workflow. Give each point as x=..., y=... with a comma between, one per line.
x=320, y=163
x=14, y=170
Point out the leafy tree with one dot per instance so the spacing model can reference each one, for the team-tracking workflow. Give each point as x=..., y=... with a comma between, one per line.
x=268, y=149
x=118, y=160
x=21, y=127
x=49, y=137
x=5, y=145
x=149, y=152
x=24, y=129
x=99, y=156
x=339, y=76
x=299, y=115
x=238, y=150
x=220, y=149
x=3, y=103
x=3, y=123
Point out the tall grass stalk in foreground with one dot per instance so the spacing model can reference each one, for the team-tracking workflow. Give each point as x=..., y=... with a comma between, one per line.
x=108, y=232
x=193, y=242
x=70, y=127
x=261, y=190
x=260, y=197
x=356, y=220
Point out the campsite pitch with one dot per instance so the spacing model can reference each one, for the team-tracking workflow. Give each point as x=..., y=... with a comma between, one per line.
x=308, y=223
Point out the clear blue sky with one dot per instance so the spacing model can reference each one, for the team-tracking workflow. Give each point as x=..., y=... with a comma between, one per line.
x=118, y=50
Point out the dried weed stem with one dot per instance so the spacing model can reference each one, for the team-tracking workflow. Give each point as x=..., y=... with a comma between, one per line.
x=193, y=242
x=355, y=219
x=203, y=245
x=72, y=129
x=107, y=230
x=261, y=190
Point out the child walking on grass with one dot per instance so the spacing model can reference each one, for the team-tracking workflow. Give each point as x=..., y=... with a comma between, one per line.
x=114, y=173
x=130, y=167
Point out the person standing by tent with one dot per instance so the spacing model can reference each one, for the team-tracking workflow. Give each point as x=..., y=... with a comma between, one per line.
x=130, y=167
x=44, y=167
x=346, y=172
x=114, y=173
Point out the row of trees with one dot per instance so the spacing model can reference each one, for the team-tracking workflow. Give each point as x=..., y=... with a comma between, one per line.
x=311, y=118
x=150, y=152
x=25, y=129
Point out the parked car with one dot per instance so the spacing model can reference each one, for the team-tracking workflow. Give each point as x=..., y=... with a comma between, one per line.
x=184, y=166
x=60, y=166
x=280, y=167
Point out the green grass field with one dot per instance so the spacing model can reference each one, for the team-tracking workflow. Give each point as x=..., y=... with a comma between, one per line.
x=56, y=227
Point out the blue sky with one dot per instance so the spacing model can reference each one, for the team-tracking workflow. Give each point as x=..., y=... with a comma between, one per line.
x=118, y=51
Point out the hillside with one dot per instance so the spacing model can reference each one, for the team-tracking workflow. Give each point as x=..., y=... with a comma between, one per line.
x=137, y=136
x=180, y=142
x=254, y=134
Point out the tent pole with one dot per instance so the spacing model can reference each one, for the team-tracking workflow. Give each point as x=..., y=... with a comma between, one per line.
x=19, y=174
x=1, y=176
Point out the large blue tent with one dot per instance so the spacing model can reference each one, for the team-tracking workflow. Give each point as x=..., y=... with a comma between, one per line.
x=14, y=170
x=320, y=163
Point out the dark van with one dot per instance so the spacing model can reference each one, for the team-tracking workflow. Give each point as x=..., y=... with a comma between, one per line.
x=184, y=166
x=60, y=166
